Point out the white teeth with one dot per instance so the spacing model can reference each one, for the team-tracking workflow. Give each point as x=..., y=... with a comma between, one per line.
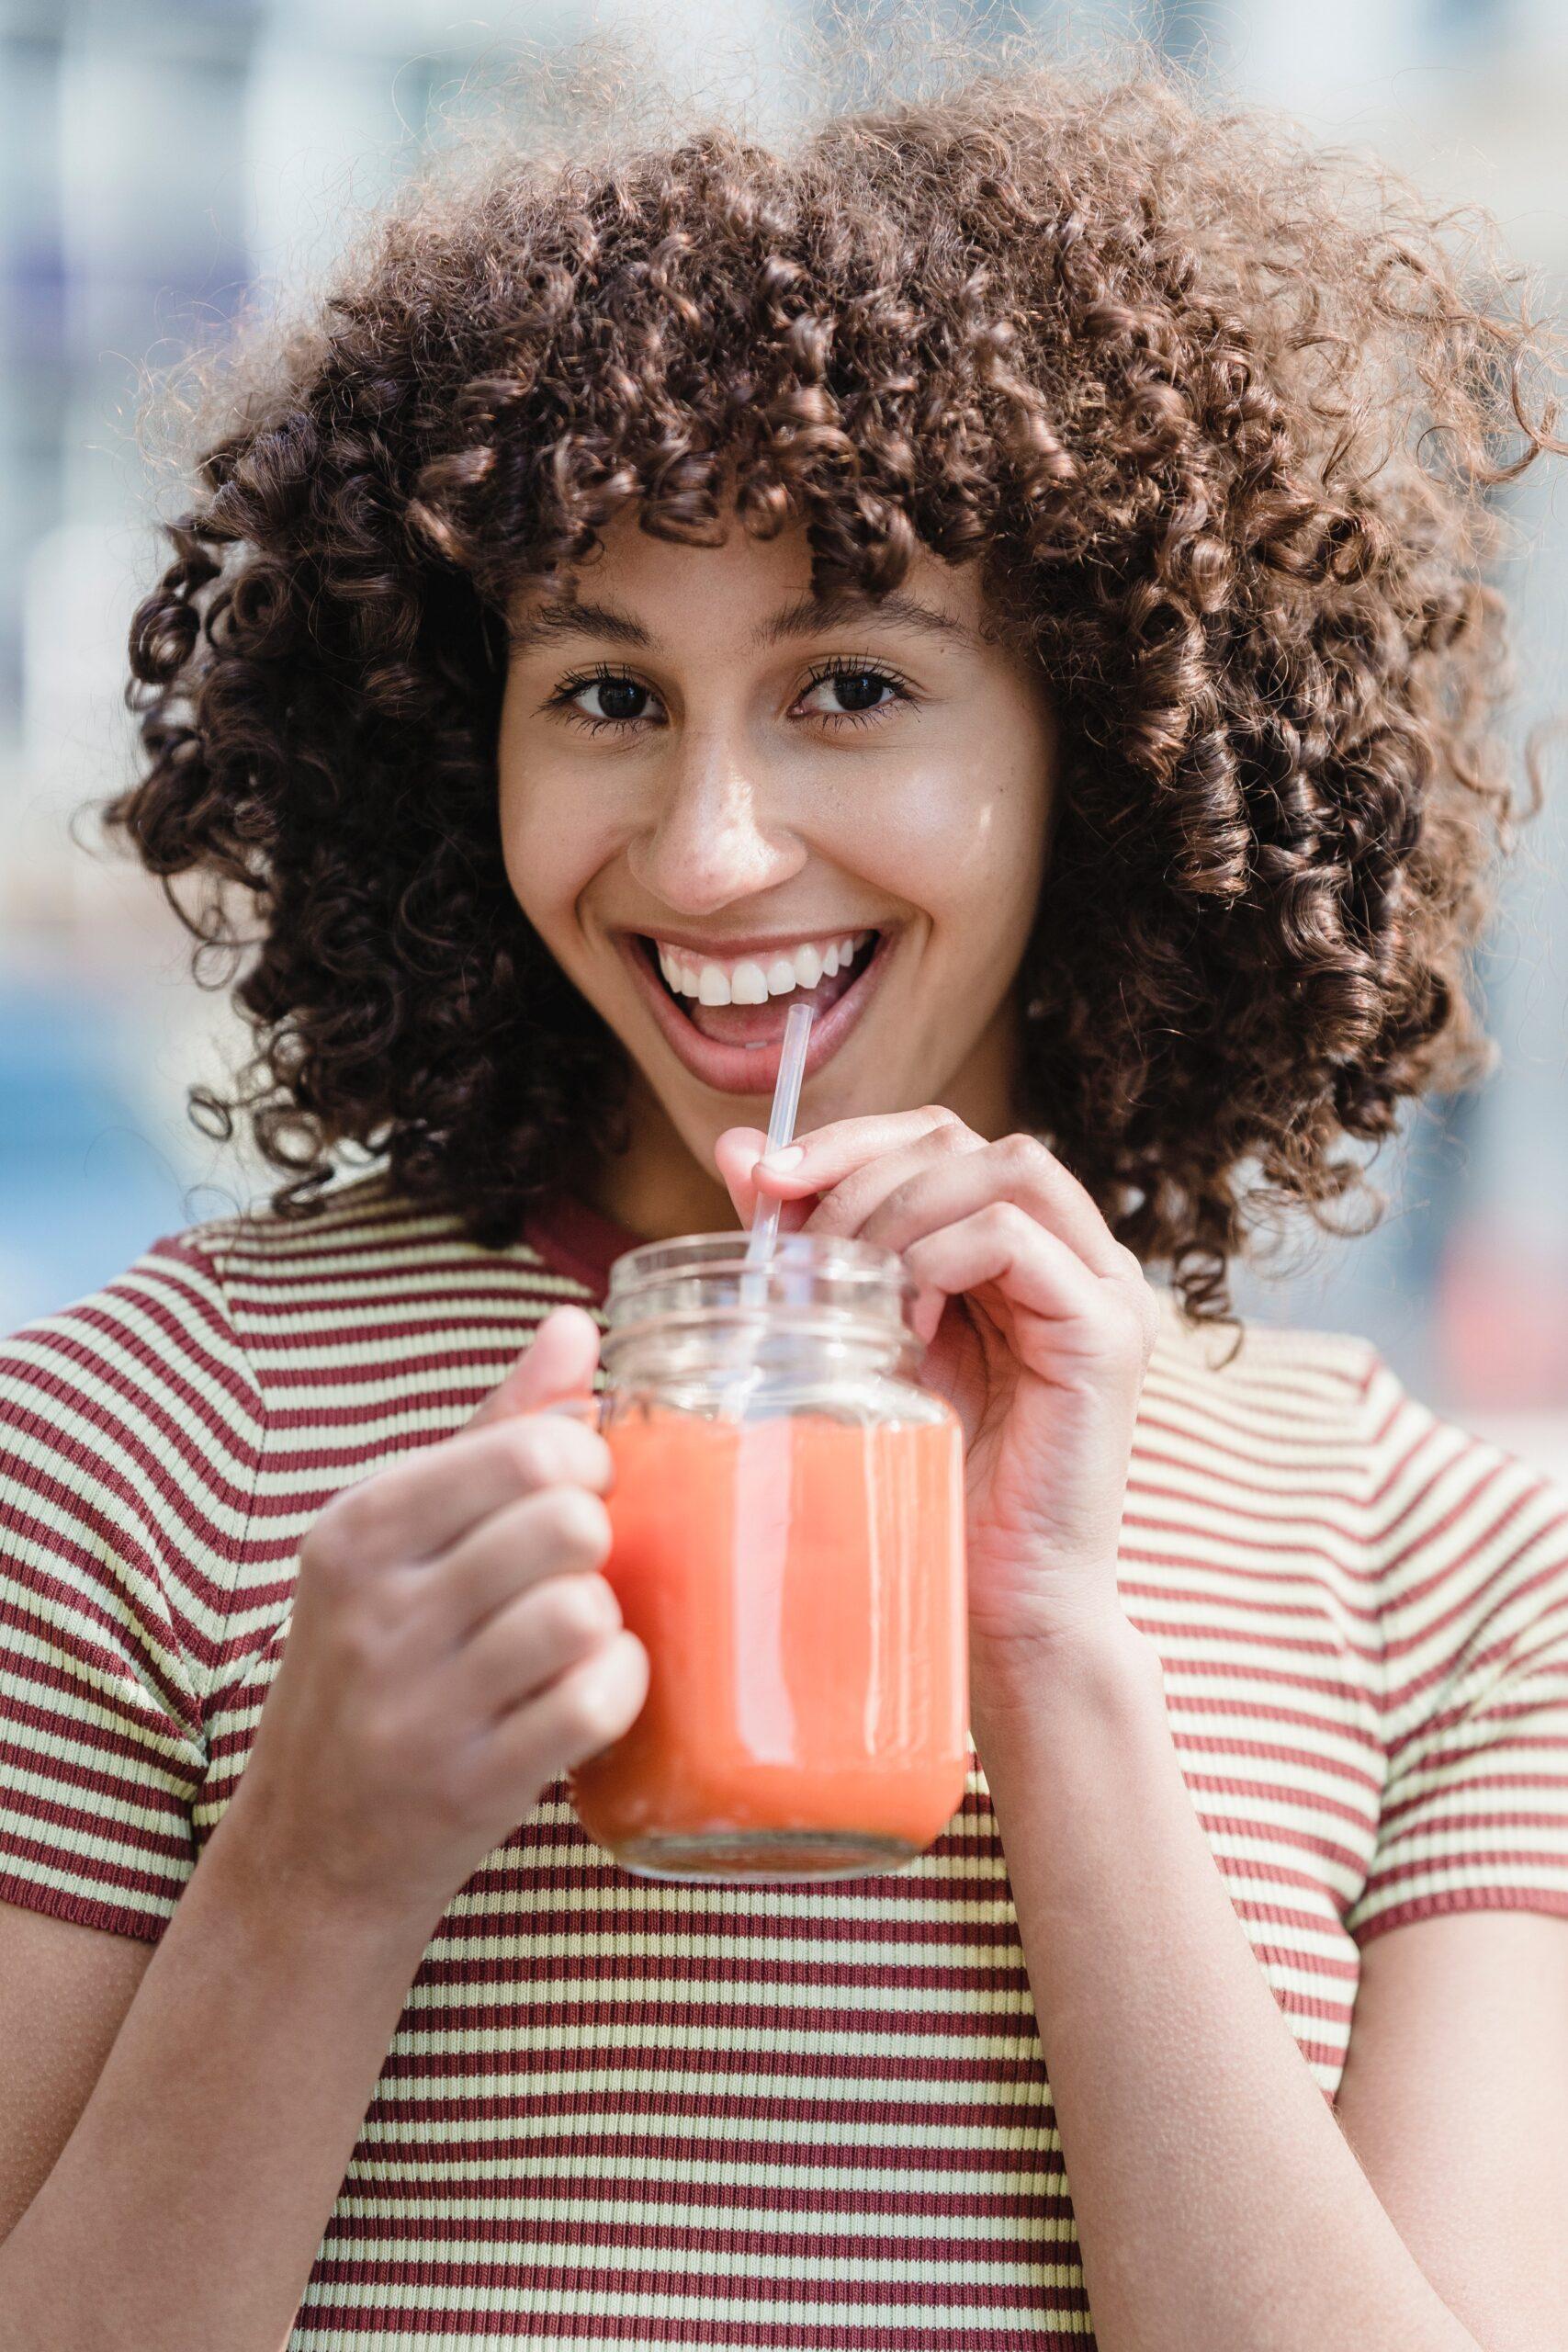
x=682, y=981
x=749, y=982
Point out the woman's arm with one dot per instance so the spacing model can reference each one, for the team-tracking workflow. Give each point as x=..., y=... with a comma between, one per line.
x=1219, y=2206
x=1455, y=2098
x=452, y=1650
x=189, y=2202
x=75, y=1983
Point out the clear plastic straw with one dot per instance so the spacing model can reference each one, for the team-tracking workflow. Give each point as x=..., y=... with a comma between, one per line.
x=764, y=1234
x=762, y=1239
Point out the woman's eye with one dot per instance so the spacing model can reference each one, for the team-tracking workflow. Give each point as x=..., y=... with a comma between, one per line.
x=851, y=693
x=617, y=698
x=606, y=701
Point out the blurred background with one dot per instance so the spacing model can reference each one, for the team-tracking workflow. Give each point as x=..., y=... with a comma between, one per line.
x=165, y=162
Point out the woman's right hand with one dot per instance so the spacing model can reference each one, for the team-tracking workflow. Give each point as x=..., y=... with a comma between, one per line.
x=454, y=1648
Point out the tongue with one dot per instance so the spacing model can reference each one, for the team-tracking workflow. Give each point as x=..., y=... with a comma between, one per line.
x=762, y=1024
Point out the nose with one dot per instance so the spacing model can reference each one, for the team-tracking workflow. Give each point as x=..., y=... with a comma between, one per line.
x=714, y=832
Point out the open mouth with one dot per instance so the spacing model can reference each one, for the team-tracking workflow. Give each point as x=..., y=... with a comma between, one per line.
x=756, y=1026
x=735, y=1047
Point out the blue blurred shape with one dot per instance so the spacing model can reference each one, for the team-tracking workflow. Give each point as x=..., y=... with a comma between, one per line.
x=83, y=1185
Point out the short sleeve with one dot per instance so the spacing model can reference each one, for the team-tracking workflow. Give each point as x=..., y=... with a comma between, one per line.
x=129, y=1440
x=1470, y=1557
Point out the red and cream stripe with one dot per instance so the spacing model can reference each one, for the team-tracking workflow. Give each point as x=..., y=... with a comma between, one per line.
x=699, y=2117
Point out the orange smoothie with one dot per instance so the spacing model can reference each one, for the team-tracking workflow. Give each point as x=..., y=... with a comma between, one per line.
x=799, y=1585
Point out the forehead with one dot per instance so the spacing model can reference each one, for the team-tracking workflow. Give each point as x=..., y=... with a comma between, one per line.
x=752, y=590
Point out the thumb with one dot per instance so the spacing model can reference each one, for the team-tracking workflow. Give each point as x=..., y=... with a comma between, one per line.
x=557, y=1363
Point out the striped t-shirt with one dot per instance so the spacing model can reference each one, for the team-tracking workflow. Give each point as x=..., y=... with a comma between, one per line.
x=703, y=2116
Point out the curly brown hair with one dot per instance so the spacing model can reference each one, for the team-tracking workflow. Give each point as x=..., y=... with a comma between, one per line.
x=1221, y=416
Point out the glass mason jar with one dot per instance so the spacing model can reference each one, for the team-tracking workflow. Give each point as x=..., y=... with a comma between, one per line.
x=788, y=1520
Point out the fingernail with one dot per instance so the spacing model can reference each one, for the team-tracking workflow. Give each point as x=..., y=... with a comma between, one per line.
x=780, y=1162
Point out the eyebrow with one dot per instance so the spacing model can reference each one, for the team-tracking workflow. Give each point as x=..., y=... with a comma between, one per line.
x=810, y=613
x=547, y=622
x=805, y=618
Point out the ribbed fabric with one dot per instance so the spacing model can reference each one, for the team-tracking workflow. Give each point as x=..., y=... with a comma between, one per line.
x=621, y=2110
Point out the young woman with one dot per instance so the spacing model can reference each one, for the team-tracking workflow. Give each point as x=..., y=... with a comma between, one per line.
x=1035, y=537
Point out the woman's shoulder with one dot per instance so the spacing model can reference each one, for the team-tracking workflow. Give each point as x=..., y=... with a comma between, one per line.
x=1249, y=1354
x=261, y=1354
x=1281, y=1396
x=1284, y=1420
x=1440, y=1521
x=165, y=1440
x=357, y=1235
x=362, y=1261
x=1418, y=1569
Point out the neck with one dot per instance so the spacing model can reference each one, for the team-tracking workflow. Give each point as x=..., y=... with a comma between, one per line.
x=657, y=1188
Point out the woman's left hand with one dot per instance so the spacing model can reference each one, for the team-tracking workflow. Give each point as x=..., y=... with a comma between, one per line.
x=1038, y=1326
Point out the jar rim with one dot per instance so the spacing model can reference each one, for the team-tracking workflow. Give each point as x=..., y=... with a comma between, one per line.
x=850, y=1262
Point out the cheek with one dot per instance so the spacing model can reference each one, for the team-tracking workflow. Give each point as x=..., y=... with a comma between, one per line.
x=537, y=852
x=962, y=845
x=550, y=848
x=998, y=859
x=529, y=856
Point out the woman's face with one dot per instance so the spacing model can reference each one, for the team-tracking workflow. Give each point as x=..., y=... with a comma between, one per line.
x=710, y=783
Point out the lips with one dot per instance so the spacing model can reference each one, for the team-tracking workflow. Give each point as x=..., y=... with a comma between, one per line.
x=750, y=1068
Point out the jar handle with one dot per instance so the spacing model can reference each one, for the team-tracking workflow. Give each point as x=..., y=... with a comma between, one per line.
x=594, y=1410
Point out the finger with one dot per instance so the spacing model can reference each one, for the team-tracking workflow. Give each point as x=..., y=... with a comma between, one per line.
x=582, y=1712
x=1034, y=1270
x=558, y=1361
x=827, y=1154
x=564, y=1531
x=941, y=1189
x=735, y=1155
x=851, y=1206
x=420, y=1506
x=553, y=1625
